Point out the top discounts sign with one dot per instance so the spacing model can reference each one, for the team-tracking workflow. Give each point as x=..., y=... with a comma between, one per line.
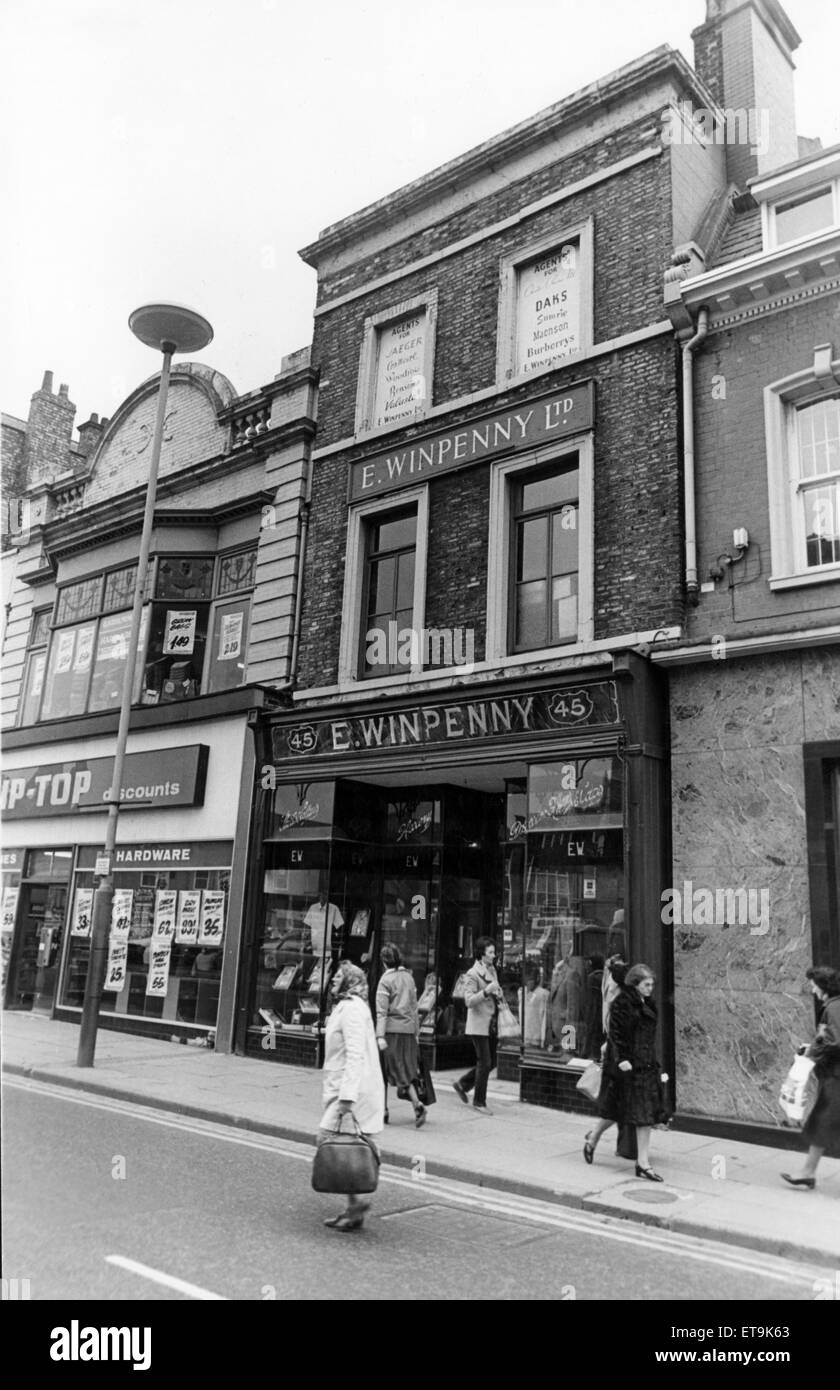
x=523, y=426
x=151, y=781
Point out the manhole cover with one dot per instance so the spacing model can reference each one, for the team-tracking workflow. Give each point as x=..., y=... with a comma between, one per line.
x=652, y=1196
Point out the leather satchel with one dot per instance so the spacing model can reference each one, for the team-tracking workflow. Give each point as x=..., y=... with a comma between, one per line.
x=345, y=1162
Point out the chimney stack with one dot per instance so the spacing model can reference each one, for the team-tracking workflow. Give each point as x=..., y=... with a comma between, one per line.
x=744, y=54
x=48, y=433
x=90, y=434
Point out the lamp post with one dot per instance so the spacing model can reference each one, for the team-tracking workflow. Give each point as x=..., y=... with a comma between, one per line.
x=169, y=328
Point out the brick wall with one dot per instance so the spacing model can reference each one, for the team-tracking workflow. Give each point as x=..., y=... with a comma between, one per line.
x=732, y=484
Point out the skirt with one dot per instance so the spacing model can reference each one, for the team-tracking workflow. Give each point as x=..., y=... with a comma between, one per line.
x=823, y=1124
x=401, y=1062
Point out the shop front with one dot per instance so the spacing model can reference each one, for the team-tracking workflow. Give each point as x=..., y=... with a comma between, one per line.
x=533, y=813
x=177, y=900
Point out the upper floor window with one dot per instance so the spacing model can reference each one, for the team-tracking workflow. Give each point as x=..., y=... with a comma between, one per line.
x=803, y=214
x=388, y=607
x=544, y=586
x=545, y=306
x=818, y=484
x=397, y=364
x=803, y=467
x=193, y=636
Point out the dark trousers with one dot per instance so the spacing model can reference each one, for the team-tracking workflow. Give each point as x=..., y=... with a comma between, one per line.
x=485, y=1061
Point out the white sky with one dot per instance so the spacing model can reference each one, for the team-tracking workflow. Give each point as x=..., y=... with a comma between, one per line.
x=185, y=149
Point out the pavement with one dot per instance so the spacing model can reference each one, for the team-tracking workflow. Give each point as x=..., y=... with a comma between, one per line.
x=714, y=1188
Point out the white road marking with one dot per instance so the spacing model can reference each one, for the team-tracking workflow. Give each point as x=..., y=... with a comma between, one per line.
x=169, y=1281
x=469, y=1195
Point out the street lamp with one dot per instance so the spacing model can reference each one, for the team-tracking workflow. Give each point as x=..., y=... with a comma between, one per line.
x=169, y=328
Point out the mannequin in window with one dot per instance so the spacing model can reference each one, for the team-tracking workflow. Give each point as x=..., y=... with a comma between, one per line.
x=323, y=920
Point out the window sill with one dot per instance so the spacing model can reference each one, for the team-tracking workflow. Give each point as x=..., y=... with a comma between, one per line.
x=798, y=581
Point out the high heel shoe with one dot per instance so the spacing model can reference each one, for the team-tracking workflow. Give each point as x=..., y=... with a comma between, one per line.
x=588, y=1148
x=349, y=1220
x=649, y=1174
x=810, y=1183
x=420, y=1113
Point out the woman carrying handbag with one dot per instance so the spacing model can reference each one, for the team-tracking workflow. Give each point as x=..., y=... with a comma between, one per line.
x=352, y=1077
x=398, y=1030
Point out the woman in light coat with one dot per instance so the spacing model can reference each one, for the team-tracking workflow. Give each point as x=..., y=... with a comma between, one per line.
x=398, y=1030
x=482, y=993
x=353, y=1082
x=822, y=1128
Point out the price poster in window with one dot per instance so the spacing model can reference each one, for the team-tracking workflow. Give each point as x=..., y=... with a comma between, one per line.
x=115, y=970
x=180, y=633
x=38, y=664
x=121, y=913
x=165, y=903
x=64, y=652
x=189, y=913
x=82, y=911
x=212, y=919
x=158, y=977
x=10, y=899
x=84, y=649
x=230, y=636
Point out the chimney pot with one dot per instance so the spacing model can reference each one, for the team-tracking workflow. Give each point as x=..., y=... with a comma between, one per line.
x=64, y=391
x=46, y=384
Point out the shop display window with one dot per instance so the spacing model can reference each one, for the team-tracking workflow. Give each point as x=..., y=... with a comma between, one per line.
x=165, y=944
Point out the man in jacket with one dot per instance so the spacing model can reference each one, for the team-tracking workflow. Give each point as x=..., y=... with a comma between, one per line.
x=482, y=993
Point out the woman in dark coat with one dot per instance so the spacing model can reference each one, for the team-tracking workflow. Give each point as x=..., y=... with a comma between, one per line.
x=631, y=1085
x=822, y=1128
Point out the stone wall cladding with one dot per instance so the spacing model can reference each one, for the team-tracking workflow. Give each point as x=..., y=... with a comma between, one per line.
x=632, y=246
x=732, y=487
x=741, y=1001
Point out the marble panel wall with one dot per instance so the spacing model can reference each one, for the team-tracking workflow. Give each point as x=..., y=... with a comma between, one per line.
x=738, y=819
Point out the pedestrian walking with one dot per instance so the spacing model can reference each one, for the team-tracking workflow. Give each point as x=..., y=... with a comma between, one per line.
x=631, y=1086
x=482, y=993
x=353, y=1082
x=822, y=1128
x=398, y=1030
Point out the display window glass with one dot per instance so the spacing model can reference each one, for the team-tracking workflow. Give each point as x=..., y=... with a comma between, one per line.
x=165, y=944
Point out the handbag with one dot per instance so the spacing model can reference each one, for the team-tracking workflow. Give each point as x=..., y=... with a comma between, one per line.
x=589, y=1082
x=799, y=1091
x=507, y=1024
x=345, y=1162
x=627, y=1145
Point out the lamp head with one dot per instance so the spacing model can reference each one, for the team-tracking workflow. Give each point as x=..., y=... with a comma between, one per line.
x=170, y=328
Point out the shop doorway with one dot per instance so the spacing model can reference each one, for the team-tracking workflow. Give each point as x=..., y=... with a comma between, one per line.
x=36, y=947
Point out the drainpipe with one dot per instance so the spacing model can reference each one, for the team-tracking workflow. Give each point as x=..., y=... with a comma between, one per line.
x=304, y=533
x=691, y=583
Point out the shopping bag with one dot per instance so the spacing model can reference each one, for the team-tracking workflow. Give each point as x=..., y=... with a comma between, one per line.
x=589, y=1083
x=507, y=1024
x=345, y=1162
x=798, y=1095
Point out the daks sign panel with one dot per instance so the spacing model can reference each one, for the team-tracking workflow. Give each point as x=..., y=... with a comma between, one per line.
x=523, y=426
x=151, y=782
x=455, y=721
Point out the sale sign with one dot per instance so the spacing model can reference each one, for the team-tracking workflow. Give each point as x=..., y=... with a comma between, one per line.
x=189, y=912
x=121, y=913
x=157, y=981
x=82, y=912
x=115, y=970
x=180, y=633
x=165, y=904
x=212, y=919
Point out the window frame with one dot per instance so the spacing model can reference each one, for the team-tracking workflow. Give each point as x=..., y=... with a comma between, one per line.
x=789, y=568
x=349, y=662
x=510, y=268
x=770, y=238
x=501, y=550
x=517, y=517
x=374, y=325
x=96, y=619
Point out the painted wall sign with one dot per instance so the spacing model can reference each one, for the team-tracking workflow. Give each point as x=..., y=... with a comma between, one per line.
x=400, y=382
x=154, y=780
x=522, y=426
x=548, y=310
x=506, y=716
